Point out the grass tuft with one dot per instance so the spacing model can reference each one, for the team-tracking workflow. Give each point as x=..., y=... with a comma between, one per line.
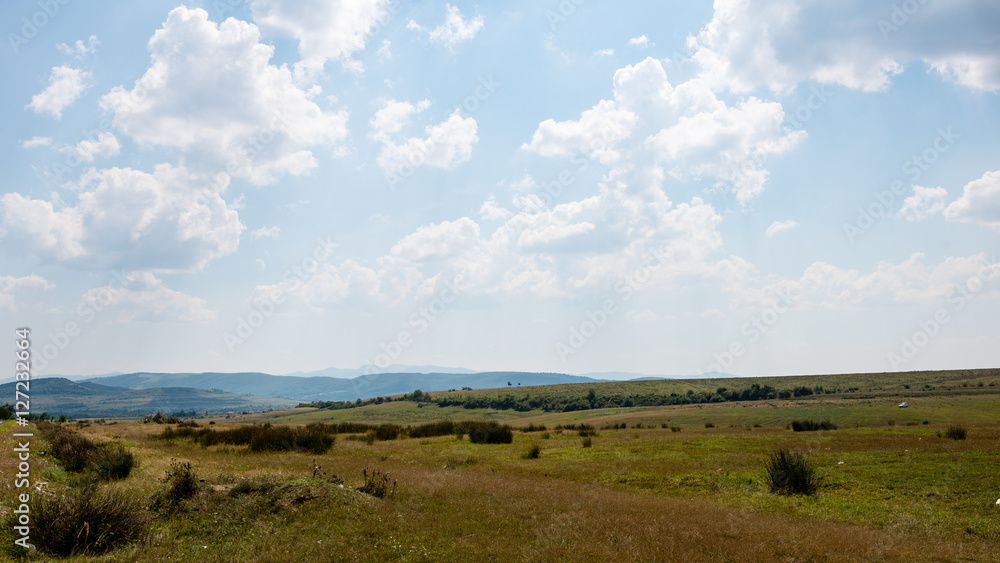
x=790, y=473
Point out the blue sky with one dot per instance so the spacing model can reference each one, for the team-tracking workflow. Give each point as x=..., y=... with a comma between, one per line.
x=773, y=187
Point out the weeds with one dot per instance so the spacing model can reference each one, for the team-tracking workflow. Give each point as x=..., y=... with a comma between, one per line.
x=790, y=473
x=587, y=442
x=956, y=432
x=112, y=461
x=181, y=482
x=87, y=521
x=533, y=452
x=377, y=484
x=812, y=425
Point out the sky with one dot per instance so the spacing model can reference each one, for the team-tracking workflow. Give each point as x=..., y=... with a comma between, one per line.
x=769, y=187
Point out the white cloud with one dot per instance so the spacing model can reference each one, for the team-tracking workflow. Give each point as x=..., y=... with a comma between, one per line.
x=261, y=265
x=643, y=316
x=66, y=84
x=125, y=218
x=327, y=30
x=106, y=144
x=825, y=286
x=441, y=241
x=143, y=297
x=595, y=134
x=80, y=50
x=778, y=226
x=979, y=202
x=686, y=128
x=491, y=210
x=260, y=129
x=778, y=43
x=36, y=142
x=454, y=30
x=641, y=41
x=923, y=203
x=9, y=286
x=712, y=314
x=604, y=53
x=444, y=145
x=265, y=232
x=384, y=52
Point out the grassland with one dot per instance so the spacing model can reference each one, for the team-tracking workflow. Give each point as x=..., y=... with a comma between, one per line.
x=892, y=488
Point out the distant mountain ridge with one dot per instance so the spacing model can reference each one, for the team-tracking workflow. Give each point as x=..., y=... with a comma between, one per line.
x=58, y=395
x=323, y=388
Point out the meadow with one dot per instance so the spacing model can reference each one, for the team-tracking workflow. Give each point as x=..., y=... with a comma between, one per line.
x=660, y=483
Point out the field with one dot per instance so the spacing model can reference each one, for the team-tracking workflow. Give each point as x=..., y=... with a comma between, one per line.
x=665, y=483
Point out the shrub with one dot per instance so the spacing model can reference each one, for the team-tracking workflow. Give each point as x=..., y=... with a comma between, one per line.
x=956, y=432
x=87, y=521
x=790, y=473
x=709, y=425
x=533, y=452
x=534, y=428
x=113, y=461
x=70, y=448
x=181, y=482
x=812, y=425
x=377, y=484
x=489, y=433
x=586, y=430
x=385, y=432
x=675, y=428
x=587, y=442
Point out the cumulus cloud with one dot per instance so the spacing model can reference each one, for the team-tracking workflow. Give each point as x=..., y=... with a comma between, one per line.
x=778, y=43
x=454, y=30
x=36, y=142
x=127, y=219
x=260, y=129
x=443, y=145
x=825, y=286
x=604, y=53
x=80, y=50
x=778, y=226
x=66, y=84
x=265, y=232
x=979, y=202
x=143, y=297
x=685, y=128
x=106, y=144
x=641, y=41
x=11, y=287
x=327, y=30
x=923, y=203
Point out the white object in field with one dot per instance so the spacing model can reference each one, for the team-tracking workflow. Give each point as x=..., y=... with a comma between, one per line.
x=903, y=405
x=998, y=502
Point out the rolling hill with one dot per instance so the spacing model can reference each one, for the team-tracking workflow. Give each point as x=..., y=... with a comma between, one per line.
x=56, y=395
x=308, y=389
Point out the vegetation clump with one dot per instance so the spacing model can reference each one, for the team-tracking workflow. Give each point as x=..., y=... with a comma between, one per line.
x=533, y=452
x=489, y=433
x=86, y=522
x=812, y=425
x=376, y=483
x=790, y=473
x=956, y=432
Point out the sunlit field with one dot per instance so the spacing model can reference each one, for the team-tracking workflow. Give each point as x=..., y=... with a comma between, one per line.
x=683, y=482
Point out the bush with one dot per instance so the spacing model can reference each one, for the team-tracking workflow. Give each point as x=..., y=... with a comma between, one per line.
x=181, y=482
x=377, y=484
x=675, y=428
x=70, y=448
x=489, y=433
x=812, y=425
x=113, y=461
x=586, y=430
x=709, y=425
x=534, y=428
x=587, y=442
x=956, y=432
x=790, y=473
x=533, y=452
x=86, y=521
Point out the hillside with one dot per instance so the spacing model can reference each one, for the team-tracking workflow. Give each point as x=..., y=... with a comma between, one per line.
x=307, y=389
x=89, y=399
